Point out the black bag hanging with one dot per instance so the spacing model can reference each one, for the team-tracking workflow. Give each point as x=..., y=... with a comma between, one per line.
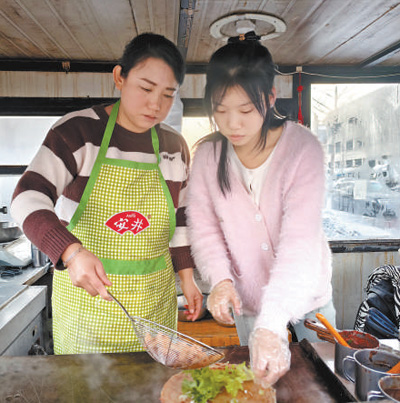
x=379, y=313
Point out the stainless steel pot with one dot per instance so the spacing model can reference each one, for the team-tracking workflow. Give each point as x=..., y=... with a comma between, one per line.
x=365, y=369
x=9, y=231
x=389, y=387
x=358, y=339
x=39, y=259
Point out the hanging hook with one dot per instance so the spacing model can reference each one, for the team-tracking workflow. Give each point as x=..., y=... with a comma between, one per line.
x=66, y=66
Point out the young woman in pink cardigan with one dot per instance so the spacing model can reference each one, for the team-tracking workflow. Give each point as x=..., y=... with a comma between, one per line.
x=255, y=197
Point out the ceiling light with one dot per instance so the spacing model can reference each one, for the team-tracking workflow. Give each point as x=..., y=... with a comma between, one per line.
x=244, y=26
x=266, y=26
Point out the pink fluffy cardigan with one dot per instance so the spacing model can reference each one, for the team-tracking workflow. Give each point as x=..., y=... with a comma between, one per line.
x=276, y=254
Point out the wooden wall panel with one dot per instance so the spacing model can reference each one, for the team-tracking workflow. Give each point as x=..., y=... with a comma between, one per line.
x=350, y=274
x=56, y=85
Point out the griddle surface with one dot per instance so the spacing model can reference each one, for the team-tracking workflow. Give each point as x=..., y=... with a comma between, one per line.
x=136, y=377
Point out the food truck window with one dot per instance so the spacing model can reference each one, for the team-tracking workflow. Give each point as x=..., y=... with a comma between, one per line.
x=21, y=136
x=20, y=139
x=194, y=128
x=358, y=126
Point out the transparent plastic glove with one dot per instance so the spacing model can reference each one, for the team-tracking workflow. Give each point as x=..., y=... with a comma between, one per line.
x=222, y=298
x=269, y=356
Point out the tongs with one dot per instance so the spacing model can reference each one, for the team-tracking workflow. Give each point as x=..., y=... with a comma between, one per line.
x=322, y=332
x=11, y=272
x=169, y=347
x=379, y=322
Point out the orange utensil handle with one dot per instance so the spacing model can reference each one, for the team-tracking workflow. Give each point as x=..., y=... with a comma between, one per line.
x=395, y=369
x=335, y=333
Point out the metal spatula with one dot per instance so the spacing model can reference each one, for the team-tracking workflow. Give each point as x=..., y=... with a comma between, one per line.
x=169, y=347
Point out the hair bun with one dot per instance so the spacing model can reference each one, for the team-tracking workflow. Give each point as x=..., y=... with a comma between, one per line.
x=248, y=36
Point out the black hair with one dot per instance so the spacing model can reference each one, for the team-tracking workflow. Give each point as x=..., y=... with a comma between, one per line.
x=149, y=45
x=248, y=64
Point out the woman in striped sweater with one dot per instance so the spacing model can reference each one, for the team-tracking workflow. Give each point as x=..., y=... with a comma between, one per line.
x=104, y=198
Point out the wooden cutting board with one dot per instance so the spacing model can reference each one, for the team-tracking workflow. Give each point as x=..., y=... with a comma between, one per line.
x=210, y=332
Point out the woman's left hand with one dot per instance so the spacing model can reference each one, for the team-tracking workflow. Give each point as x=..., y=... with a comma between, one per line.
x=192, y=293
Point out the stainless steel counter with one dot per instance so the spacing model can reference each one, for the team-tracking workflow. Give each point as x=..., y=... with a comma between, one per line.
x=22, y=321
x=29, y=275
x=22, y=311
x=10, y=287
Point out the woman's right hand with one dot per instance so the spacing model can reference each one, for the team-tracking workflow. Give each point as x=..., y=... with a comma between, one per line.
x=86, y=271
x=223, y=296
x=269, y=356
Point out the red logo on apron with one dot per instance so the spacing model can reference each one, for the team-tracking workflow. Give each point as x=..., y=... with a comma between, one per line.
x=128, y=221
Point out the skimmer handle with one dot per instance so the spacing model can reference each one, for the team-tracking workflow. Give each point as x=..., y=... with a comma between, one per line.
x=119, y=303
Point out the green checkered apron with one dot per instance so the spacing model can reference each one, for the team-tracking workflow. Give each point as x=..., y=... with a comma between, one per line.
x=126, y=217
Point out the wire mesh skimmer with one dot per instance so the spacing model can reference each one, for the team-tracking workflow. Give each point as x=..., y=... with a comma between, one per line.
x=169, y=347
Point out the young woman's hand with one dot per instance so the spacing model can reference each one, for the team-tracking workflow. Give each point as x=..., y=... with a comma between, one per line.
x=86, y=271
x=269, y=356
x=222, y=298
x=192, y=293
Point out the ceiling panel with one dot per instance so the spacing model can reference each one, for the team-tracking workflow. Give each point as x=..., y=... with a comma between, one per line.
x=158, y=16
x=393, y=61
x=318, y=31
x=378, y=35
x=351, y=40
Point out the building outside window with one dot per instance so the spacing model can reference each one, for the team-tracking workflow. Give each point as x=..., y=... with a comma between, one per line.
x=363, y=197
x=349, y=145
